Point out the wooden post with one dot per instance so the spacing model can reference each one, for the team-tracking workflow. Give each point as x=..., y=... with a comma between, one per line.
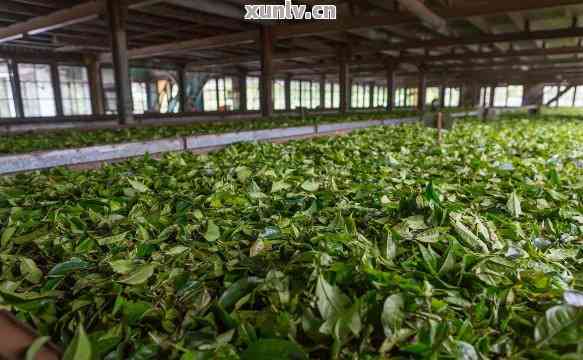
x=442, y=94
x=533, y=94
x=117, y=15
x=371, y=88
x=323, y=91
x=266, y=71
x=95, y=86
x=56, y=81
x=243, y=91
x=390, y=88
x=492, y=93
x=16, y=89
x=288, y=92
x=421, y=89
x=344, y=82
x=182, y=88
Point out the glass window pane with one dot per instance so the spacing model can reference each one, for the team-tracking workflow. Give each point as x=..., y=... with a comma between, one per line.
x=75, y=90
x=7, y=106
x=37, y=90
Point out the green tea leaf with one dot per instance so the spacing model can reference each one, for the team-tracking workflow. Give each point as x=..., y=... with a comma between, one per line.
x=138, y=186
x=331, y=301
x=392, y=314
x=556, y=320
x=35, y=347
x=513, y=205
x=213, y=233
x=310, y=185
x=80, y=347
x=139, y=275
x=66, y=267
x=270, y=349
x=7, y=235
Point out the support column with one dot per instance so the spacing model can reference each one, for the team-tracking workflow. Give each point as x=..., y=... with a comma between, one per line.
x=242, y=91
x=371, y=88
x=95, y=86
x=344, y=82
x=16, y=89
x=468, y=95
x=421, y=89
x=288, y=92
x=323, y=91
x=492, y=93
x=182, y=88
x=266, y=71
x=56, y=81
x=442, y=94
x=117, y=16
x=391, y=81
x=533, y=94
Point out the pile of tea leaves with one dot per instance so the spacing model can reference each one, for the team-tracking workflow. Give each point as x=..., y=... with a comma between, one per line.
x=74, y=138
x=377, y=244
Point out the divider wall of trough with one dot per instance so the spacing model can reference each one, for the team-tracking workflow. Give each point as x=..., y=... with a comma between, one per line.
x=47, y=159
x=53, y=158
x=206, y=141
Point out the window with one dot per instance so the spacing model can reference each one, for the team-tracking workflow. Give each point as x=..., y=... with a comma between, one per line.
x=366, y=99
x=452, y=97
x=400, y=97
x=355, y=96
x=360, y=96
x=515, y=95
x=485, y=93
x=7, y=108
x=279, y=95
x=37, y=90
x=505, y=96
x=500, y=96
x=431, y=94
x=156, y=90
x=328, y=95
x=379, y=96
x=304, y=93
x=412, y=97
x=218, y=94
x=140, y=97
x=406, y=97
x=549, y=93
x=570, y=97
x=315, y=95
x=75, y=90
x=579, y=96
x=209, y=96
x=331, y=95
x=253, y=94
x=295, y=94
x=336, y=96
x=108, y=83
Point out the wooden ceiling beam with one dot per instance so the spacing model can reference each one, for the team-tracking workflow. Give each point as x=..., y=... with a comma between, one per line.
x=362, y=22
x=213, y=42
x=426, y=15
x=55, y=20
x=83, y=12
x=211, y=7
